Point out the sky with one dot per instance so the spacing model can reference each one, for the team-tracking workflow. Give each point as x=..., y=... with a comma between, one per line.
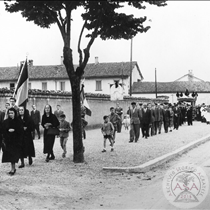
x=178, y=41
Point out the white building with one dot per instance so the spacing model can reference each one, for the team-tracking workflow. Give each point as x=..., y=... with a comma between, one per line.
x=99, y=77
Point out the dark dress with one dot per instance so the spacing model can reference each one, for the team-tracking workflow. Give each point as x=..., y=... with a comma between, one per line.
x=49, y=140
x=12, y=140
x=28, y=144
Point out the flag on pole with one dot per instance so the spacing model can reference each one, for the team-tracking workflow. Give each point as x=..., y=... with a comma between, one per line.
x=84, y=101
x=21, y=89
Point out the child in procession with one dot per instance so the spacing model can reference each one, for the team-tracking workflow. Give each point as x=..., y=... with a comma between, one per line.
x=126, y=122
x=107, y=131
x=64, y=128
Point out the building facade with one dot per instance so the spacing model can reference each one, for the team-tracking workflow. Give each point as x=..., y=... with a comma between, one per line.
x=170, y=89
x=98, y=77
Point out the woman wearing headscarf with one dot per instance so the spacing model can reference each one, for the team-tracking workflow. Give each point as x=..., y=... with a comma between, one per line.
x=28, y=144
x=12, y=130
x=49, y=120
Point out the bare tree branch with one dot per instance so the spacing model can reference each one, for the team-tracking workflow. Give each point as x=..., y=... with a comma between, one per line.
x=87, y=49
x=58, y=23
x=79, y=42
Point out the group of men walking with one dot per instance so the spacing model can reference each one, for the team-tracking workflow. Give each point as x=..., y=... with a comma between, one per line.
x=151, y=117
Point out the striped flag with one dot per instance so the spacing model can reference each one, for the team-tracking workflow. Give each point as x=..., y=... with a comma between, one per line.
x=84, y=101
x=21, y=89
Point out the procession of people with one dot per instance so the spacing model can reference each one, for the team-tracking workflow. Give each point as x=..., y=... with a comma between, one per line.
x=142, y=120
x=17, y=132
x=147, y=119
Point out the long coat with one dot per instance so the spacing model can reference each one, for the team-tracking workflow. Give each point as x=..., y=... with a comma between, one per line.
x=146, y=116
x=166, y=115
x=12, y=140
x=28, y=144
x=35, y=115
x=152, y=115
x=171, y=120
x=49, y=140
x=157, y=114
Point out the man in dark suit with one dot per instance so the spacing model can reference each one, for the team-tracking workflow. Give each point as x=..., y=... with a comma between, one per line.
x=146, y=120
x=35, y=115
x=166, y=117
x=189, y=115
x=135, y=115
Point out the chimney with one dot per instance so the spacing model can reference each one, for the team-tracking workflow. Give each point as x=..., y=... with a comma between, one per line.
x=190, y=75
x=61, y=60
x=96, y=60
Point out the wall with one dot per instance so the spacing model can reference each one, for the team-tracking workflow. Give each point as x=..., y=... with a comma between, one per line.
x=5, y=84
x=135, y=75
x=99, y=104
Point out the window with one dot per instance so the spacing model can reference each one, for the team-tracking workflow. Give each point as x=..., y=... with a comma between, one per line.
x=29, y=85
x=98, y=85
x=12, y=86
x=62, y=86
x=44, y=86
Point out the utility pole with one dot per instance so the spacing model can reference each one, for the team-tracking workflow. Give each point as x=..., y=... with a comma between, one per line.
x=155, y=83
x=131, y=67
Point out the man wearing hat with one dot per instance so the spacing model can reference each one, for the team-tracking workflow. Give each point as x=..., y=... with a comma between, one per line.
x=135, y=115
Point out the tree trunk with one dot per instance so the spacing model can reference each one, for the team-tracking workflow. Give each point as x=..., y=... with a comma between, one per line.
x=78, y=149
x=77, y=123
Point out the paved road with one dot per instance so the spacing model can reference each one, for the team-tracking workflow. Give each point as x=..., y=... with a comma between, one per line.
x=61, y=184
x=149, y=194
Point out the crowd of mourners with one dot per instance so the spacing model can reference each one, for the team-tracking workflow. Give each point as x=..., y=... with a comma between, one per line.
x=18, y=126
x=17, y=132
x=148, y=119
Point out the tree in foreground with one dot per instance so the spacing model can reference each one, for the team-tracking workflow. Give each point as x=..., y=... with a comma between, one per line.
x=100, y=19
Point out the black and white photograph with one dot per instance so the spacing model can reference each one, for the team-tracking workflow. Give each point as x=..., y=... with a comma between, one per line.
x=104, y=105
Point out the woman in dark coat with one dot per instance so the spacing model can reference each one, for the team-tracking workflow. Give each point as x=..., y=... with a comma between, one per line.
x=49, y=120
x=12, y=134
x=28, y=144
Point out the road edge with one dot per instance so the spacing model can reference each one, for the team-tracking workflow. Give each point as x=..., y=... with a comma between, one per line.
x=145, y=167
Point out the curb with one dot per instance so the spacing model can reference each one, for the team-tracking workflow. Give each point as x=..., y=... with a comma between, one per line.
x=145, y=167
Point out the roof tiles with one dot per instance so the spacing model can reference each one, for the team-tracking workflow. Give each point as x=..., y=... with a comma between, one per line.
x=58, y=71
x=171, y=87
